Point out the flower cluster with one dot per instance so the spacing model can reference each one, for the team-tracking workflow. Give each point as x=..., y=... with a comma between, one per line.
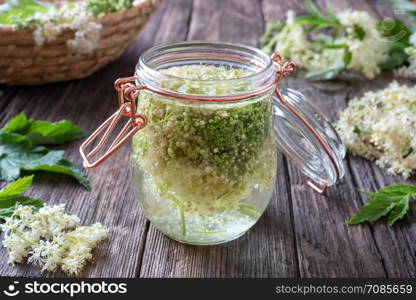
x=410, y=70
x=382, y=126
x=48, y=20
x=367, y=51
x=293, y=44
x=355, y=33
x=50, y=24
x=50, y=238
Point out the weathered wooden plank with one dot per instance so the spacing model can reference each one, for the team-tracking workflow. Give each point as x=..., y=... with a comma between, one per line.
x=342, y=5
x=232, y=21
x=396, y=244
x=326, y=247
x=267, y=250
x=87, y=103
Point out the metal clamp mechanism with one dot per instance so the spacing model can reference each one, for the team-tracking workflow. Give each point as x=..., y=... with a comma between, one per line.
x=127, y=93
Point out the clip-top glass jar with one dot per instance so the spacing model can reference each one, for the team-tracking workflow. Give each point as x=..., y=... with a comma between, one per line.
x=211, y=118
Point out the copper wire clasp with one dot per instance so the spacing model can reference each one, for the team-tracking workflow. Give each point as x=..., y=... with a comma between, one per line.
x=127, y=94
x=283, y=70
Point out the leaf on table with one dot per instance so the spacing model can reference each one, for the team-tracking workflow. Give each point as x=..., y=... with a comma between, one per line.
x=17, y=187
x=64, y=166
x=18, y=154
x=10, y=196
x=399, y=211
x=43, y=132
x=391, y=201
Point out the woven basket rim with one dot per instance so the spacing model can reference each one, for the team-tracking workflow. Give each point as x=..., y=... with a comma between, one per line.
x=9, y=28
x=24, y=61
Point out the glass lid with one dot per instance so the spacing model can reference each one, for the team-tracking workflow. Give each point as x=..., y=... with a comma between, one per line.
x=308, y=139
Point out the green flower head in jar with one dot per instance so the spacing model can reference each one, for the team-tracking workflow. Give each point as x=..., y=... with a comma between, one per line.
x=205, y=157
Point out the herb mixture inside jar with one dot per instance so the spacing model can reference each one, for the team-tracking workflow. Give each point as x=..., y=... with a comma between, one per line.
x=204, y=171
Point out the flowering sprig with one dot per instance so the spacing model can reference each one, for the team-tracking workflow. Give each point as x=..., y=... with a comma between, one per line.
x=351, y=40
x=50, y=238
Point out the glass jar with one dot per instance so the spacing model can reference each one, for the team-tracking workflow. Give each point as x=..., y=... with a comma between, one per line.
x=211, y=120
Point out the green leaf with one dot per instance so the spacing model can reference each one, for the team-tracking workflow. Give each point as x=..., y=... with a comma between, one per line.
x=313, y=9
x=395, y=60
x=332, y=71
x=399, y=211
x=397, y=35
x=317, y=20
x=102, y=7
x=346, y=59
x=371, y=212
x=358, y=32
x=11, y=10
x=16, y=188
x=392, y=201
x=10, y=197
x=269, y=39
x=7, y=210
x=64, y=166
x=356, y=130
x=336, y=46
x=18, y=124
x=17, y=154
x=326, y=73
x=331, y=15
x=42, y=132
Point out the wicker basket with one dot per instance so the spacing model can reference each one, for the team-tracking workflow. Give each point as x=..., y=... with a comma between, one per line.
x=24, y=62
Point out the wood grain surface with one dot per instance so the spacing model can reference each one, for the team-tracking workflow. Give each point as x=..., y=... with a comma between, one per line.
x=301, y=233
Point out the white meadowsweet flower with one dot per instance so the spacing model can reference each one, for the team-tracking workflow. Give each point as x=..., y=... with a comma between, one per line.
x=293, y=43
x=80, y=243
x=50, y=238
x=369, y=51
x=382, y=126
x=76, y=17
x=410, y=70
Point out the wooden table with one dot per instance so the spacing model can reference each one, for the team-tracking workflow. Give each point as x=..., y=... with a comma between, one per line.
x=301, y=233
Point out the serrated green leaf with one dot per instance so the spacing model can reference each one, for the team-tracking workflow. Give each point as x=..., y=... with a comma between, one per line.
x=16, y=188
x=331, y=14
x=371, y=212
x=42, y=132
x=10, y=197
x=399, y=211
x=26, y=201
x=313, y=9
x=392, y=200
x=17, y=154
x=64, y=166
x=18, y=124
